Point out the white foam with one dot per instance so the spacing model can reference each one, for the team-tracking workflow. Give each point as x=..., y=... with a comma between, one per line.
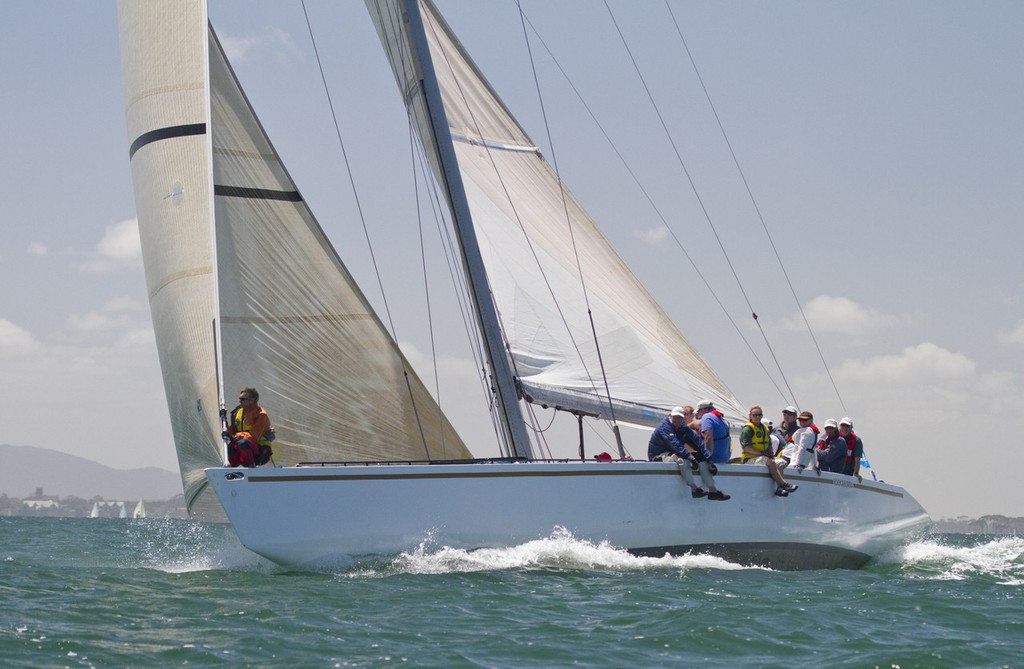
x=1000, y=557
x=179, y=547
x=560, y=550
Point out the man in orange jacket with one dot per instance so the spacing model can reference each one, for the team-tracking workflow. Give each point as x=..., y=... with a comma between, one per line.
x=249, y=431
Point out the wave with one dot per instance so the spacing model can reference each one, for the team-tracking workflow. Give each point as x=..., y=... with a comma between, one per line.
x=960, y=557
x=559, y=551
x=179, y=547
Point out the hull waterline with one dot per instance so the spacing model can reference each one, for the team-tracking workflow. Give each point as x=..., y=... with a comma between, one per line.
x=320, y=515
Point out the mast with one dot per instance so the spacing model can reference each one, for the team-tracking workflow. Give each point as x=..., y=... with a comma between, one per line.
x=507, y=395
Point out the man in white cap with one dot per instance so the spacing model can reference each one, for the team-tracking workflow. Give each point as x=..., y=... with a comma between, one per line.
x=799, y=451
x=673, y=441
x=854, y=447
x=832, y=449
x=788, y=425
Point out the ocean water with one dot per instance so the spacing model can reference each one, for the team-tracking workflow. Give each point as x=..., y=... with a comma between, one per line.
x=165, y=593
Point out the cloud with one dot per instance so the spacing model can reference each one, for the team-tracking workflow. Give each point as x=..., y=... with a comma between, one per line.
x=921, y=364
x=841, y=315
x=15, y=340
x=118, y=315
x=652, y=235
x=1014, y=336
x=273, y=39
x=37, y=249
x=107, y=382
x=119, y=247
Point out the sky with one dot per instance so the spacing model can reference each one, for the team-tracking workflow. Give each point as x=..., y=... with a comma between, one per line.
x=881, y=143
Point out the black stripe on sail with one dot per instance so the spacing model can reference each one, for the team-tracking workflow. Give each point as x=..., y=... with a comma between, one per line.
x=166, y=133
x=257, y=193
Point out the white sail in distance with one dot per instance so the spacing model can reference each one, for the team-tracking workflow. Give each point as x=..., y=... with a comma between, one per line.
x=531, y=231
x=228, y=239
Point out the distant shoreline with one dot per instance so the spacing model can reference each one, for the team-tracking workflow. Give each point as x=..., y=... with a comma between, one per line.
x=51, y=506
x=997, y=525
x=78, y=507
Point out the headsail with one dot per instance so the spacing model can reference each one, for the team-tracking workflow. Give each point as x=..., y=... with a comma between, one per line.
x=227, y=237
x=530, y=239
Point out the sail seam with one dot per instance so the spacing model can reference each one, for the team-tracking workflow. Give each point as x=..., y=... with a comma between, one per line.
x=177, y=276
x=170, y=132
x=263, y=320
x=257, y=193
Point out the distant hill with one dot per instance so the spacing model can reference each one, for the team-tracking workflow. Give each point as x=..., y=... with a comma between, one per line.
x=25, y=468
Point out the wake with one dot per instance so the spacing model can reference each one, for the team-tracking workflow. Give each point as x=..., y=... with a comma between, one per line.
x=559, y=551
x=949, y=559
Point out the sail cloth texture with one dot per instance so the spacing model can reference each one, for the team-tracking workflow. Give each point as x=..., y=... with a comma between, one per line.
x=530, y=244
x=293, y=321
x=164, y=78
x=226, y=237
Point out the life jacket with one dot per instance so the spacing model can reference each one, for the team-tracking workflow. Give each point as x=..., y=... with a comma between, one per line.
x=263, y=451
x=724, y=439
x=851, y=439
x=760, y=441
x=827, y=441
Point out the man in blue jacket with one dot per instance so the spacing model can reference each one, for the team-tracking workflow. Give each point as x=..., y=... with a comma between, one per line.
x=832, y=449
x=715, y=431
x=673, y=441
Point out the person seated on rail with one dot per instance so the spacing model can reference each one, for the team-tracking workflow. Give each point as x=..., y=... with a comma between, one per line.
x=799, y=449
x=832, y=449
x=854, y=447
x=756, y=449
x=673, y=441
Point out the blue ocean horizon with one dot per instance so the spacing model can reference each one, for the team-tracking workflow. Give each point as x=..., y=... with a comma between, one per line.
x=146, y=592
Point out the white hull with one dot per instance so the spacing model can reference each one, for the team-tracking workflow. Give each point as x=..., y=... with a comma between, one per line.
x=313, y=515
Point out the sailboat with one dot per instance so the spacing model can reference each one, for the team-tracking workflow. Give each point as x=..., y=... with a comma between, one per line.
x=95, y=513
x=140, y=510
x=246, y=289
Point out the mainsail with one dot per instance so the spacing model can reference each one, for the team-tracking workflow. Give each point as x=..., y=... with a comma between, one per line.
x=228, y=240
x=532, y=231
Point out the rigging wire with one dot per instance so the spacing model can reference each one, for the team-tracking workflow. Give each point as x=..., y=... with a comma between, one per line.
x=366, y=231
x=572, y=236
x=460, y=286
x=461, y=291
x=693, y=187
x=757, y=209
x=654, y=206
x=529, y=242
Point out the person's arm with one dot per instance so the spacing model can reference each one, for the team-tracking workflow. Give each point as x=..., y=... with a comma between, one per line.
x=834, y=452
x=260, y=424
x=665, y=437
x=858, y=453
x=694, y=445
x=805, y=441
x=232, y=428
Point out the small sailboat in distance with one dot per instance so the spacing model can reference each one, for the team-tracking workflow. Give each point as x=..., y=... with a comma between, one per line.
x=371, y=464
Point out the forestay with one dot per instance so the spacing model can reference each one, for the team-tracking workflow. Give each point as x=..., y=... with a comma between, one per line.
x=531, y=231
